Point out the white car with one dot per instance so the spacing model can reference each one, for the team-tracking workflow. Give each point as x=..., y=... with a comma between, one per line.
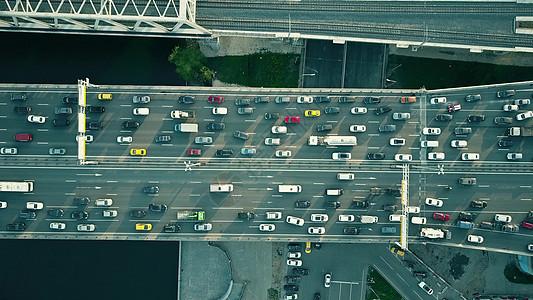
x=431, y=131
x=528, y=114
x=401, y=116
x=273, y=215
x=88, y=138
x=86, y=227
x=124, y=139
x=36, y=119
x=470, y=156
x=514, y=156
x=58, y=226
x=425, y=287
x=279, y=129
x=110, y=213
x=327, y=280
x=295, y=254
x=203, y=140
x=510, y=107
x=357, y=128
x=395, y=218
x=346, y=218
x=220, y=111
x=434, y=202
x=436, y=156
x=34, y=205
x=502, y=218
x=272, y=141
x=203, y=227
x=521, y=102
x=141, y=99
x=3, y=204
x=403, y=157
x=458, y=143
x=358, y=110
x=418, y=220
x=413, y=209
x=341, y=155
x=11, y=151
x=316, y=230
x=267, y=227
x=530, y=247
x=437, y=100
x=283, y=153
x=304, y=99
x=294, y=262
x=103, y=202
x=295, y=221
x=475, y=238
x=397, y=141
x=319, y=218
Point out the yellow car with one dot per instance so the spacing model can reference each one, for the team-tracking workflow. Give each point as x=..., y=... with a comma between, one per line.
x=397, y=251
x=143, y=226
x=105, y=96
x=308, y=247
x=136, y=152
x=312, y=113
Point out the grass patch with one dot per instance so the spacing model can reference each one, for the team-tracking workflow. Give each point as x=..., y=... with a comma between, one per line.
x=513, y=274
x=379, y=288
x=273, y=294
x=257, y=70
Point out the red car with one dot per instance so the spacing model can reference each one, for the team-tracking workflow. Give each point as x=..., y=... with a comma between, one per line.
x=194, y=152
x=292, y=119
x=441, y=216
x=454, y=107
x=23, y=137
x=527, y=225
x=215, y=99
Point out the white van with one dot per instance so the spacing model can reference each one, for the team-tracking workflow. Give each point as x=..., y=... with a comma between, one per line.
x=141, y=111
x=286, y=188
x=369, y=219
x=186, y=127
x=345, y=176
x=429, y=144
x=334, y=192
x=395, y=218
x=221, y=188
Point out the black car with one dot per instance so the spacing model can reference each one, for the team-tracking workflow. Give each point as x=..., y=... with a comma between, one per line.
x=151, y=189
x=157, y=207
x=478, y=204
x=316, y=296
x=302, y=203
x=505, y=93
x=322, y=99
x=22, y=109
x=291, y=287
x=70, y=100
x=462, y=130
x=294, y=247
x=261, y=99
x=375, y=155
x=242, y=102
x=60, y=122
x=186, y=99
x=332, y=110
x=240, y=135
x=17, y=226
x=293, y=279
x=81, y=200
x=419, y=274
x=443, y=117
x=130, y=124
x=269, y=116
x=383, y=109
x=56, y=212
x=324, y=127
x=94, y=125
x=215, y=126
x=27, y=214
x=346, y=99
x=472, y=98
x=135, y=213
x=359, y=203
x=352, y=230
x=172, y=227
x=224, y=152
x=394, y=191
x=332, y=204
x=387, y=128
x=95, y=109
x=18, y=97
x=79, y=215
x=317, y=246
x=371, y=100
x=300, y=271
x=475, y=118
x=464, y=216
x=409, y=264
x=486, y=225
x=503, y=120
x=505, y=143
x=162, y=139
x=246, y=215
x=389, y=207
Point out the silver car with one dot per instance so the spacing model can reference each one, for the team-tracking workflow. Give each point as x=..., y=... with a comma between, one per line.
x=57, y=151
x=245, y=110
x=11, y=151
x=141, y=99
x=203, y=140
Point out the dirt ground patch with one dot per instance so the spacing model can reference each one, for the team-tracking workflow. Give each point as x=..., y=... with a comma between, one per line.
x=457, y=265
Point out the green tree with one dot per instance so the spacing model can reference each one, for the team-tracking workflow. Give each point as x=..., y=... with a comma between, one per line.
x=190, y=63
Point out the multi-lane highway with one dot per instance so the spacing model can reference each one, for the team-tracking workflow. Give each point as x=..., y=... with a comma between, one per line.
x=505, y=185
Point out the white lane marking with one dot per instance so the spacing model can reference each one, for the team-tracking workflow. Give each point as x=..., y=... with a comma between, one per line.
x=318, y=183
x=483, y=185
x=385, y=262
x=194, y=195
x=525, y=186
x=42, y=143
x=70, y=180
x=526, y=199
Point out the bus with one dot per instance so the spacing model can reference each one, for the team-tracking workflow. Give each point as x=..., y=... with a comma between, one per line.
x=21, y=187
